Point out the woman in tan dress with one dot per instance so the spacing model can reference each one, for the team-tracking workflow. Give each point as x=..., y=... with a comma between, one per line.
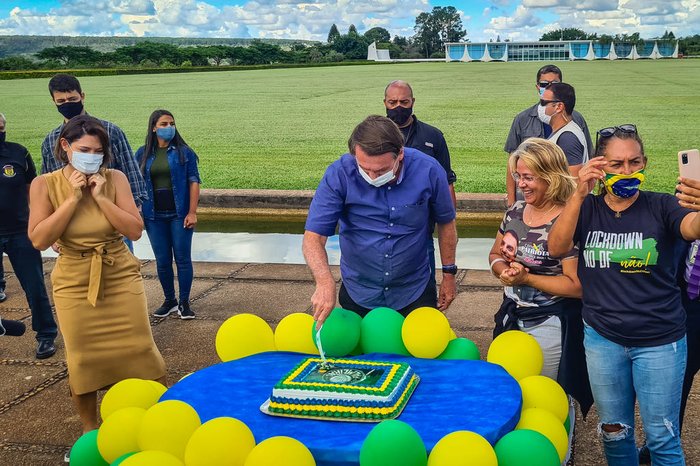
x=97, y=286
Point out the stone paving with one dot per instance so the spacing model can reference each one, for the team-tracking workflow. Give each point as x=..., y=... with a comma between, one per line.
x=37, y=420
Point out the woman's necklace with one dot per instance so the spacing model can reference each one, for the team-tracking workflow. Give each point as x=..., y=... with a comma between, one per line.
x=618, y=212
x=541, y=215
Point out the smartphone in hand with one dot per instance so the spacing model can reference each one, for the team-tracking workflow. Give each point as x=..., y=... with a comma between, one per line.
x=689, y=164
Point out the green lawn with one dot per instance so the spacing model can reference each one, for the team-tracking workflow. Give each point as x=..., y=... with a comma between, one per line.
x=279, y=129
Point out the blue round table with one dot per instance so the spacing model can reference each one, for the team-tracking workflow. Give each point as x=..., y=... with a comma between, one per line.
x=452, y=395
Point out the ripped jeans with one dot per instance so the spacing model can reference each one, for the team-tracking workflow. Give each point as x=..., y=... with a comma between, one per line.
x=654, y=376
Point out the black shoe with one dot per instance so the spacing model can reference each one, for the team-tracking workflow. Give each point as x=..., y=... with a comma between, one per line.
x=3, y=296
x=168, y=307
x=45, y=349
x=12, y=328
x=185, y=312
x=644, y=455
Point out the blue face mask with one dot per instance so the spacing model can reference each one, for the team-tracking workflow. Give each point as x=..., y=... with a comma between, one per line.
x=166, y=133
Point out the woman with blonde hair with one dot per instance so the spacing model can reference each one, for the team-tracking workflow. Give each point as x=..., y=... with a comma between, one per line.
x=541, y=293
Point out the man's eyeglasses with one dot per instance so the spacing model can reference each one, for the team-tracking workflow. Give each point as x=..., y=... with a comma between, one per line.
x=545, y=102
x=544, y=84
x=610, y=131
x=526, y=178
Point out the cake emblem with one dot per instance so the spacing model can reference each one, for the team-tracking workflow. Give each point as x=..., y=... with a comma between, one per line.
x=344, y=376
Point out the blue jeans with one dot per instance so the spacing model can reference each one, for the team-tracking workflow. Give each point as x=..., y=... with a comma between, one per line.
x=654, y=376
x=26, y=262
x=170, y=238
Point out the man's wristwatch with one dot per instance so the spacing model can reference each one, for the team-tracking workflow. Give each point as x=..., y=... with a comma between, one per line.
x=450, y=268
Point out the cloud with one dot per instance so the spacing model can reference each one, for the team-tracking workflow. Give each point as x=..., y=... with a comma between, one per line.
x=300, y=19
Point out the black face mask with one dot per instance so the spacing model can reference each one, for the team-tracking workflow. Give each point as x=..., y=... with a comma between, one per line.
x=2, y=137
x=70, y=109
x=399, y=114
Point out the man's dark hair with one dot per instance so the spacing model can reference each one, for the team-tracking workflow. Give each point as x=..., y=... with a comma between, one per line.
x=63, y=82
x=78, y=127
x=549, y=69
x=376, y=135
x=565, y=93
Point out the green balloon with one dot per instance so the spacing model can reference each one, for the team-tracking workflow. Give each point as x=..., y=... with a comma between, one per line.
x=567, y=424
x=119, y=460
x=381, y=332
x=85, y=452
x=526, y=448
x=340, y=333
x=393, y=443
x=461, y=348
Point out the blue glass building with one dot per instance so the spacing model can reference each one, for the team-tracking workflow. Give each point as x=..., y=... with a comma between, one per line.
x=559, y=50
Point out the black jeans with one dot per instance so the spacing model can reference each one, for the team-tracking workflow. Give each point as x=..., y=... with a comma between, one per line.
x=428, y=298
x=27, y=265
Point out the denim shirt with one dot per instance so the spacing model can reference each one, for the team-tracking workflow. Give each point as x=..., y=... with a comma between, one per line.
x=384, y=232
x=181, y=176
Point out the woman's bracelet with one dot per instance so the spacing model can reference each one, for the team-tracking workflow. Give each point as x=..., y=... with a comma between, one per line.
x=496, y=261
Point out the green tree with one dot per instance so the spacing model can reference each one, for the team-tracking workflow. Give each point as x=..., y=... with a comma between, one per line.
x=352, y=46
x=352, y=30
x=434, y=29
x=566, y=34
x=215, y=53
x=333, y=34
x=69, y=56
x=377, y=34
x=17, y=63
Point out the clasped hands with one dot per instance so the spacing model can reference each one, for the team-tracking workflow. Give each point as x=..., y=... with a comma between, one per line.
x=95, y=183
x=515, y=274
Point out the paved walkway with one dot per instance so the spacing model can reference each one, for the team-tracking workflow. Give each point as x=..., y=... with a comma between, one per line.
x=37, y=420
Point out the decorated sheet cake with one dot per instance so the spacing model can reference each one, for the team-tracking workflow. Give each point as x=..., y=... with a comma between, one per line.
x=343, y=390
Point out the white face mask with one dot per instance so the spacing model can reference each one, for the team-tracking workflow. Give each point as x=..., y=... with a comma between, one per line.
x=381, y=180
x=86, y=163
x=544, y=118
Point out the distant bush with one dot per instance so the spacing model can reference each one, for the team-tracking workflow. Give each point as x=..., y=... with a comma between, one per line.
x=33, y=74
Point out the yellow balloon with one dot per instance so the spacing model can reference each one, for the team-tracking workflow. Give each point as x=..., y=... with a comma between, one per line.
x=453, y=335
x=222, y=441
x=518, y=353
x=293, y=334
x=547, y=424
x=152, y=458
x=118, y=434
x=276, y=451
x=426, y=332
x=168, y=426
x=462, y=448
x=542, y=392
x=242, y=335
x=130, y=393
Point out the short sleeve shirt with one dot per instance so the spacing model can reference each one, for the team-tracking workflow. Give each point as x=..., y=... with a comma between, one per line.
x=533, y=253
x=383, y=231
x=17, y=170
x=627, y=267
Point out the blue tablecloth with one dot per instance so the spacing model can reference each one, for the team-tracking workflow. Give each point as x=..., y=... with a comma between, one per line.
x=452, y=395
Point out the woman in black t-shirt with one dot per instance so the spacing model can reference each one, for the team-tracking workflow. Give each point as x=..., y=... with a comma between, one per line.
x=634, y=325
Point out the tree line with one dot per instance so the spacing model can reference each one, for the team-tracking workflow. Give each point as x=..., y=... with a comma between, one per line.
x=433, y=29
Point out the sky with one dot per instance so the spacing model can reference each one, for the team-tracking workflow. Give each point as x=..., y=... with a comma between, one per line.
x=311, y=19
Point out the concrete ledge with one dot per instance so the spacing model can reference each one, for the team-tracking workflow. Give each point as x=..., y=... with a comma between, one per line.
x=288, y=199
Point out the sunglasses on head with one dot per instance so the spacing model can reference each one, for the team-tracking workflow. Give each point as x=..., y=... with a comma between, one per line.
x=546, y=83
x=610, y=131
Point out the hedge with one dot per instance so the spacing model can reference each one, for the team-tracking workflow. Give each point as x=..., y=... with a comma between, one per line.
x=32, y=74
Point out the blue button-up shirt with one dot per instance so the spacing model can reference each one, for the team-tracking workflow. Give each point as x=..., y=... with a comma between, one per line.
x=384, y=232
x=122, y=158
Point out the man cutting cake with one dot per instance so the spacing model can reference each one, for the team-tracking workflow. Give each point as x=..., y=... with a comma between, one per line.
x=384, y=198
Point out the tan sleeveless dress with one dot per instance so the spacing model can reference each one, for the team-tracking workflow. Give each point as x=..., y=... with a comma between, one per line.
x=99, y=297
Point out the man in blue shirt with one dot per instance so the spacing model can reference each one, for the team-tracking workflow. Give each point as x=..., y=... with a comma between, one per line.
x=385, y=198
